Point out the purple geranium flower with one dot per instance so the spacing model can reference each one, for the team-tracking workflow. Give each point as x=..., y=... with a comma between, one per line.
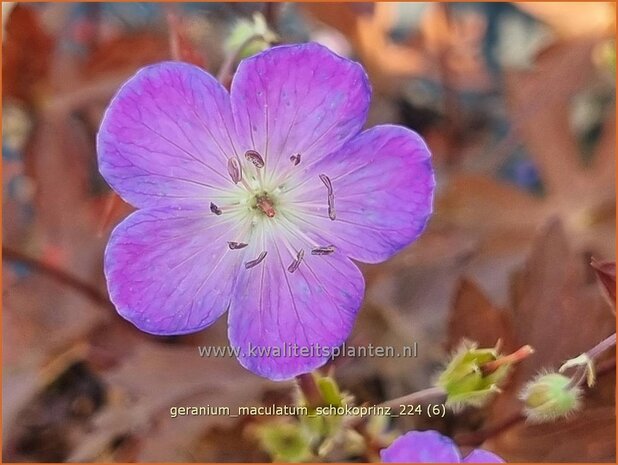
x=255, y=202
x=431, y=447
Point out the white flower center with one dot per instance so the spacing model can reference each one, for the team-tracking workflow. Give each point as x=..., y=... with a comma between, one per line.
x=259, y=201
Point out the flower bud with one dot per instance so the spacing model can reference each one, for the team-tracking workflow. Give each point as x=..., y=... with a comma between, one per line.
x=473, y=376
x=550, y=396
x=242, y=33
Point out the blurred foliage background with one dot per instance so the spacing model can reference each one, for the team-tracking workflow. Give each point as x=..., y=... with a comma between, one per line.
x=517, y=103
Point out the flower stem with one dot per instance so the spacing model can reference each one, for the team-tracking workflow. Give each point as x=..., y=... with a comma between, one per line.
x=309, y=389
x=582, y=372
x=602, y=346
x=419, y=397
x=88, y=290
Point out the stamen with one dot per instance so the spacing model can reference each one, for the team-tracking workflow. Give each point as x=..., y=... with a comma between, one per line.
x=329, y=185
x=295, y=159
x=234, y=169
x=216, y=210
x=331, y=196
x=296, y=263
x=257, y=261
x=331, y=207
x=329, y=249
x=236, y=245
x=255, y=158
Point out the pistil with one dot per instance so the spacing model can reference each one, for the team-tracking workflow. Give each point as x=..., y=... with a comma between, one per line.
x=265, y=205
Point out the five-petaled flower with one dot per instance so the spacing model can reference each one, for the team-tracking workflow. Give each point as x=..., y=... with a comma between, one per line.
x=256, y=201
x=432, y=447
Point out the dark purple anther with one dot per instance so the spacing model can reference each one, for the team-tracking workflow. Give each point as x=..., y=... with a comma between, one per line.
x=255, y=158
x=295, y=159
x=216, y=210
x=257, y=261
x=296, y=263
x=233, y=167
x=329, y=249
x=236, y=245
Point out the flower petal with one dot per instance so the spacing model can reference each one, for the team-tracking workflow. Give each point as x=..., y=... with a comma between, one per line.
x=170, y=270
x=166, y=136
x=383, y=186
x=421, y=447
x=311, y=311
x=298, y=99
x=482, y=456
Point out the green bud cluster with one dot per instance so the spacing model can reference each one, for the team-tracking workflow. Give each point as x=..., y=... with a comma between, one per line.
x=312, y=437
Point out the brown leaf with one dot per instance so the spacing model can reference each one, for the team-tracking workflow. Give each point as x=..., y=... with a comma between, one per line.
x=606, y=272
x=26, y=54
x=604, y=160
x=475, y=318
x=60, y=164
x=42, y=320
x=551, y=296
x=368, y=31
x=559, y=313
x=56, y=417
x=540, y=102
x=583, y=197
x=489, y=205
x=157, y=377
x=588, y=436
x=447, y=48
x=181, y=46
x=118, y=55
x=574, y=19
x=113, y=211
x=233, y=444
x=454, y=40
x=501, y=215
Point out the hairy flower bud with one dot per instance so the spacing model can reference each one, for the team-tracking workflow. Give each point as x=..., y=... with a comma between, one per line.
x=466, y=379
x=550, y=396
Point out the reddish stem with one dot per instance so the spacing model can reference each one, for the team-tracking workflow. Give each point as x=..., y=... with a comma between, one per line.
x=61, y=276
x=309, y=388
